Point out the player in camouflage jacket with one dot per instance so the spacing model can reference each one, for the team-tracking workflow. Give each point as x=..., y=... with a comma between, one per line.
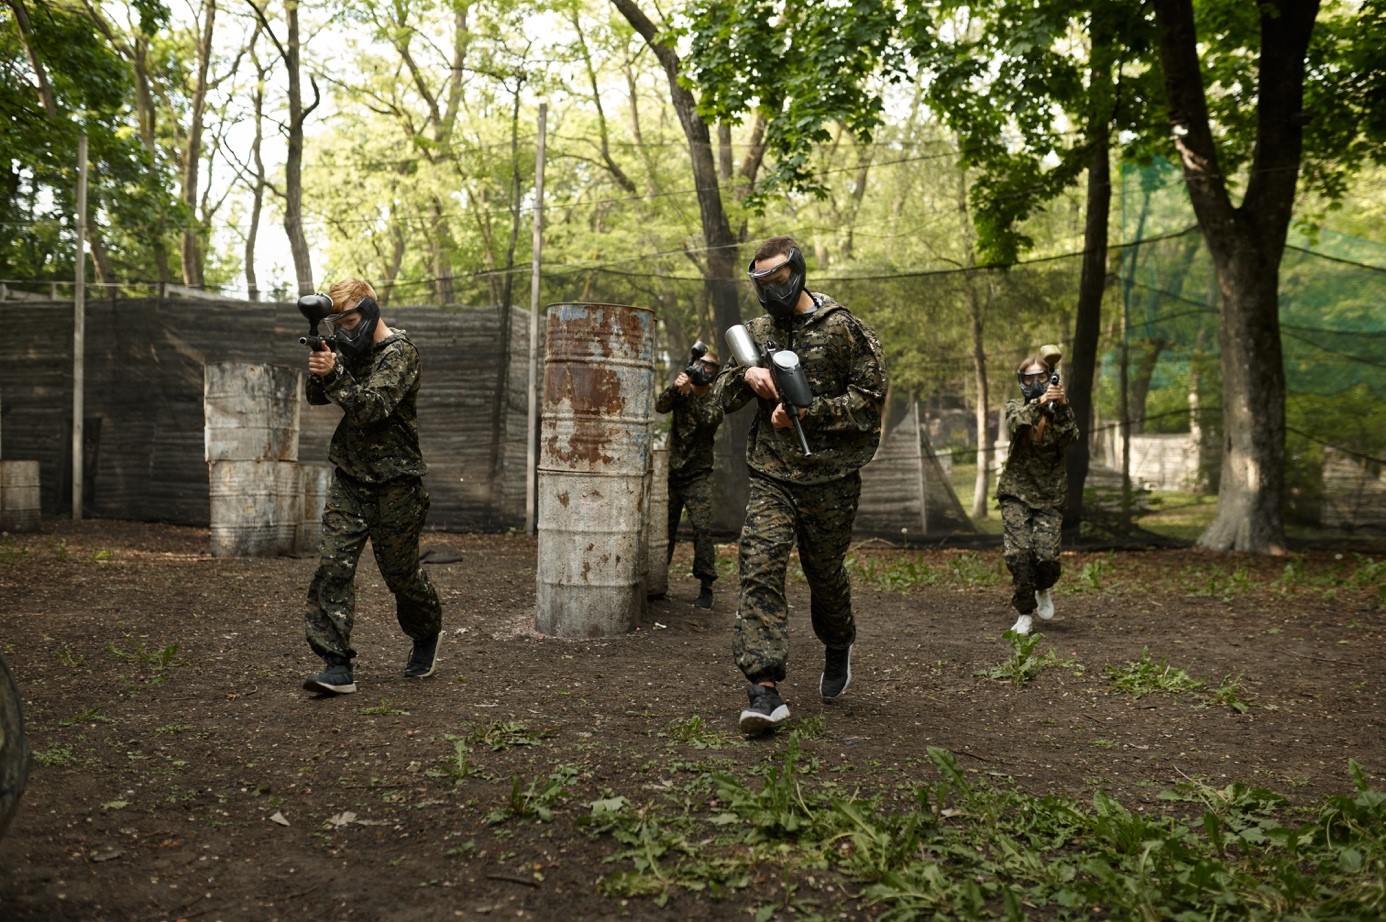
x=692, y=438
x=1033, y=489
x=377, y=490
x=794, y=500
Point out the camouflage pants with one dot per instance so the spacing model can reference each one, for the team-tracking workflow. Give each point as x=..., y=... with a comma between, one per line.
x=1030, y=546
x=391, y=515
x=818, y=517
x=694, y=494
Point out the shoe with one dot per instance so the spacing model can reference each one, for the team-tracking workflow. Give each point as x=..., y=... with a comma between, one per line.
x=1022, y=625
x=837, y=673
x=765, y=710
x=1045, y=598
x=423, y=659
x=704, y=597
x=333, y=680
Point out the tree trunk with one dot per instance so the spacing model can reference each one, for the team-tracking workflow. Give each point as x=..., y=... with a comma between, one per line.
x=1092, y=284
x=1246, y=243
x=982, y=485
x=721, y=265
x=192, y=155
x=293, y=164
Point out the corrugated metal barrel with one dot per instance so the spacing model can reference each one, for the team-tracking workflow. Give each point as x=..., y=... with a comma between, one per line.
x=594, y=452
x=251, y=412
x=19, y=496
x=657, y=526
x=255, y=507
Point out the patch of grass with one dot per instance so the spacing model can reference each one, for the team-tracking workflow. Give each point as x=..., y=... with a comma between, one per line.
x=458, y=765
x=89, y=716
x=1143, y=676
x=696, y=733
x=503, y=734
x=971, y=571
x=1092, y=576
x=1216, y=582
x=536, y=801
x=1024, y=663
x=59, y=757
x=157, y=663
x=11, y=552
x=384, y=709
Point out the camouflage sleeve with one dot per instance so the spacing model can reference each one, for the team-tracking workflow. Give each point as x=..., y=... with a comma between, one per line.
x=1021, y=415
x=705, y=410
x=665, y=401
x=315, y=390
x=859, y=409
x=394, y=373
x=730, y=391
x=1066, y=424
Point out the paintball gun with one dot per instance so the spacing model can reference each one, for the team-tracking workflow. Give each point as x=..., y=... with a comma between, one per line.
x=315, y=308
x=790, y=381
x=696, y=372
x=1050, y=356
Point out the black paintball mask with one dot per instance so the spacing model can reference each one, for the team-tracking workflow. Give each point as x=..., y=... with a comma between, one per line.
x=780, y=298
x=355, y=343
x=1033, y=390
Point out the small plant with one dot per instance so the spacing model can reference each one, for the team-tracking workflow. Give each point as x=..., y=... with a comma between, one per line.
x=1143, y=676
x=69, y=659
x=502, y=734
x=457, y=766
x=59, y=756
x=695, y=732
x=384, y=709
x=1091, y=576
x=973, y=571
x=1024, y=664
x=1229, y=694
x=172, y=729
x=536, y=801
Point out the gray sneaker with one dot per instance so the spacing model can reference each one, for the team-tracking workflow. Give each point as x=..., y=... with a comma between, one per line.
x=423, y=659
x=837, y=673
x=765, y=710
x=333, y=680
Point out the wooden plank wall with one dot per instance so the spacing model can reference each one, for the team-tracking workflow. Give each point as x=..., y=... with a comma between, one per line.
x=144, y=371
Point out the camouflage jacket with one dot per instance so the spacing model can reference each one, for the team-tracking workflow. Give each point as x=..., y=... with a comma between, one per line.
x=1035, y=473
x=692, y=431
x=843, y=362
x=378, y=437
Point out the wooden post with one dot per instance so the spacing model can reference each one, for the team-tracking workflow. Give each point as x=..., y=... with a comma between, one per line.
x=532, y=424
x=79, y=332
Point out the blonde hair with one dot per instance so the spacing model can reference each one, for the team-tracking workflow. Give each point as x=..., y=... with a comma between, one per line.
x=347, y=293
x=1033, y=360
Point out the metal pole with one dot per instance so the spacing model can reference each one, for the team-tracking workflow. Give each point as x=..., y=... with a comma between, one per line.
x=79, y=331
x=532, y=429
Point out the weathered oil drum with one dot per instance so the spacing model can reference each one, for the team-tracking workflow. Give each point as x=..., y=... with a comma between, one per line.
x=594, y=450
x=314, y=478
x=251, y=412
x=657, y=526
x=14, y=748
x=19, y=496
x=255, y=507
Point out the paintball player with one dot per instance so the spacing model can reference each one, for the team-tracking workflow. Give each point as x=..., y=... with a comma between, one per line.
x=692, y=433
x=372, y=372
x=1033, y=488
x=797, y=499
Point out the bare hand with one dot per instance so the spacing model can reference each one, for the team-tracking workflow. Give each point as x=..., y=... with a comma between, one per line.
x=780, y=419
x=762, y=382
x=322, y=360
x=1054, y=394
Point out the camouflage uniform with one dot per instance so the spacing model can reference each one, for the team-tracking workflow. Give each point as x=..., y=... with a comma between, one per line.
x=693, y=432
x=1033, y=491
x=811, y=501
x=377, y=492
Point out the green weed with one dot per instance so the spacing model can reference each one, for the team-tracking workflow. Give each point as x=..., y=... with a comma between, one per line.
x=384, y=709
x=89, y=716
x=59, y=756
x=696, y=733
x=1024, y=663
x=457, y=766
x=503, y=734
x=1143, y=676
x=536, y=801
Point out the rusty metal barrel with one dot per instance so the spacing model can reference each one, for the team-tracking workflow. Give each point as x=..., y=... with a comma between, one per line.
x=14, y=748
x=594, y=453
x=657, y=526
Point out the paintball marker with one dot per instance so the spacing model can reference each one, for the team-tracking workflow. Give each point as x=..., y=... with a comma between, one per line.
x=1050, y=356
x=790, y=381
x=314, y=307
x=696, y=372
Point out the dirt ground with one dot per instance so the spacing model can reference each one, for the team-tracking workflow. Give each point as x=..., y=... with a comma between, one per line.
x=181, y=771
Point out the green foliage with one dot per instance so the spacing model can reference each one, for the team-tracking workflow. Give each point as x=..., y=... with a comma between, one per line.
x=1024, y=663
x=1143, y=676
x=504, y=734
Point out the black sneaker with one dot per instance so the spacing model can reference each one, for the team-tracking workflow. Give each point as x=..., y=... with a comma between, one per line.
x=333, y=680
x=765, y=710
x=704, y=597
x=837, y=673
x=423, y=658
